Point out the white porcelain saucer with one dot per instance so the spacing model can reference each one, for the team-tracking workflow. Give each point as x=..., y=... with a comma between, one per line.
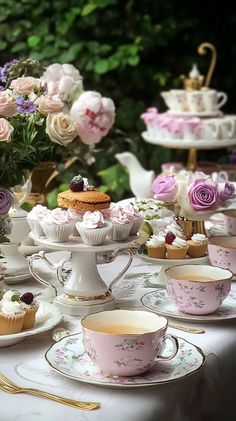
x=16, y=279
x=159, y=302
x=216, y=113
x=68, y=357
x=47, y=317
x=166, y=263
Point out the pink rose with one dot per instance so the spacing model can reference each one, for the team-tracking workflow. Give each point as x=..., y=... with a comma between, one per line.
x=50, y=104
x=94, y=116
x=7, y=104
x=6, y=130
x=164, y=188
x=226, y=190
x=203, y=195
x=25, y=85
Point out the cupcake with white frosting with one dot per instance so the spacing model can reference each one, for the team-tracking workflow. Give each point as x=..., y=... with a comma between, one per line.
x=177, y=249
x=30, y=306
x=134, y=215
x=34, y=218
x=57, y=225
x=121, y=223
x=75, y=216
x=175, y=229
x=11, y=314
x=197, y=246
x=93, y=229
x=156, y=247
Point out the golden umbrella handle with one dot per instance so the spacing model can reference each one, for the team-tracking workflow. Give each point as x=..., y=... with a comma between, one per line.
x=202, y=49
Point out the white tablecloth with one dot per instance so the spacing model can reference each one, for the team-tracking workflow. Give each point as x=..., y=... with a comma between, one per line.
x=208, y=395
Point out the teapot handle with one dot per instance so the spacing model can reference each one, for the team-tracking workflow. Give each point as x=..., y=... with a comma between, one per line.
x=55, y=266
x=130, y=253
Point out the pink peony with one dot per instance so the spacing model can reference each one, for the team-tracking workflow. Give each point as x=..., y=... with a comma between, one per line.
x=64, y=80
x=94, y=116
x=7, y=104
x=164, y=188
x=25, y=85
x=203, y=194
x=6, y=130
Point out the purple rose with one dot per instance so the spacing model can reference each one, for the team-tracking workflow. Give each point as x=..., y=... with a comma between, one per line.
x=203, y=195
x=226, y=190
x=6, y=200
x=164, y=188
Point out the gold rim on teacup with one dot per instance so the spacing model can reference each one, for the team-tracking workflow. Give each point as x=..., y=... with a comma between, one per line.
x=198, y=267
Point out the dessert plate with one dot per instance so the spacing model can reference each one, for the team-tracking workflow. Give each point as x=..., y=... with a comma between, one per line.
x=68, y=357
x=47, y=317
x=159, y=302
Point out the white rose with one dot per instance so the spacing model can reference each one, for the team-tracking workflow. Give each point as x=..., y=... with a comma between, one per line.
x=61, y=128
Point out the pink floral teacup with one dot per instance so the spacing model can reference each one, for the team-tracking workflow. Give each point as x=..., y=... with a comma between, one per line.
x=126, y=342
x=198, y=289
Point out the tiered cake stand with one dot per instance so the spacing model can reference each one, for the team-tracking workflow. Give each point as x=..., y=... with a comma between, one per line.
x=84, y=291
x=191, y=145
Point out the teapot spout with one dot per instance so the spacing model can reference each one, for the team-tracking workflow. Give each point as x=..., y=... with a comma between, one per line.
x=140, y=179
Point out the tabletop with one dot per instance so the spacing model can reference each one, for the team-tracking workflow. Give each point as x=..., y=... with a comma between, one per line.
x=206, y=395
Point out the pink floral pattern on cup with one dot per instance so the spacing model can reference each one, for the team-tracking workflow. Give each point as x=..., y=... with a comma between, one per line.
x=197, y=296
x=125, y=354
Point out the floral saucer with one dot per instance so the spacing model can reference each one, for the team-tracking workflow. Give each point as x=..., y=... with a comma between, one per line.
x=159, y=302
x=68, y=357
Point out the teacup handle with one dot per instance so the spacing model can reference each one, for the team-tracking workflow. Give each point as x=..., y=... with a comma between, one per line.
x=223, y=100
x=55, y=266
x=175, y=344
x=130, y=253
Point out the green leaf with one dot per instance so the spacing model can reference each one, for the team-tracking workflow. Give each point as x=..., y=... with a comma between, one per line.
x=133, y=61
x=101, y=66
x=33, y=40
x=15, y=297
x=4, y=239
x=89, y=8
x=3, y=45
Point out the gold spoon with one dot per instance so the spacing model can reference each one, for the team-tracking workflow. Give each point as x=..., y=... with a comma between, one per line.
x=8, y=386
x=186, y=329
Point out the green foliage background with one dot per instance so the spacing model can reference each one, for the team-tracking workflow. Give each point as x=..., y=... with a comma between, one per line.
x=128, y=50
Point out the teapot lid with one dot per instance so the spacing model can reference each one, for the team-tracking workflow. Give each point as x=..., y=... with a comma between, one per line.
x=18, y=213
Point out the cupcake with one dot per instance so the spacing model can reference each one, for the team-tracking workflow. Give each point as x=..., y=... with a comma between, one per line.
x=156, y=247
x=197, y=246
x=11, y=314
x=134, y=216
x=175, y=229
x=30, y=306
x=57, y=226
x=93, y=229
x=121, y=224
x=177, y=249
x=74, y=216
x=35, y=216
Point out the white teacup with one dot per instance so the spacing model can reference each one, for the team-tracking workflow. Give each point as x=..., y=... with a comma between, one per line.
x=195, y=102
x=213, y=100
x=228, y=128
x=126, y=342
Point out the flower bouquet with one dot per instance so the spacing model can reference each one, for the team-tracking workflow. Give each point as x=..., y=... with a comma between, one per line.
x=42, y=111
x=193, y=196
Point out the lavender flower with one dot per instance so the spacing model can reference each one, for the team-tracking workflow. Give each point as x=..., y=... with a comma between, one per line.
x=25, y=106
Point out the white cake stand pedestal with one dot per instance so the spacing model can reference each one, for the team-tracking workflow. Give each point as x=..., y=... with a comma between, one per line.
x=84, y=291
x=167, y=263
